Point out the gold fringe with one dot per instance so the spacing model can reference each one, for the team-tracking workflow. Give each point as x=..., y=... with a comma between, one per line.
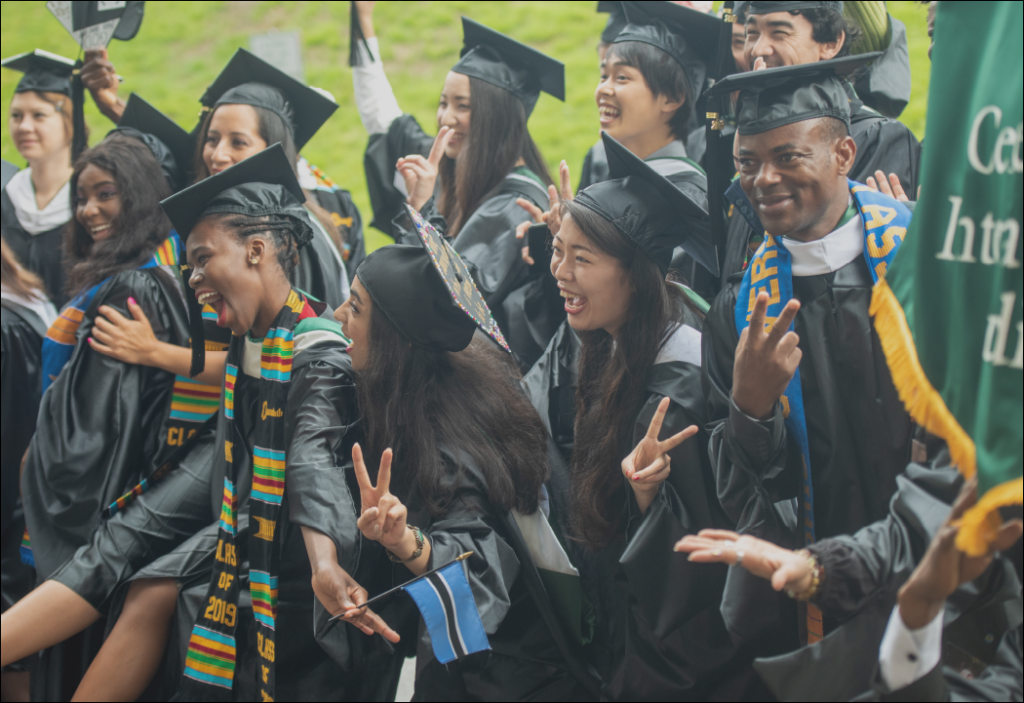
x=926, y=406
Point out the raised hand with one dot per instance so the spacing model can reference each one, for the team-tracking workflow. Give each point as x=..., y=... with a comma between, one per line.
x=420, y=173
x=382, y=516
x=945, y=568
x=784, y=568
x=649, y=465
x=891, y=186
x=100, y=78
x=552, y=217
x=766, y=360
x=129, y=340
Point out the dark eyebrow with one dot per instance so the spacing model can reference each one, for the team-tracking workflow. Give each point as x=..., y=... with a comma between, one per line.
x=781, y=23
x=785, y=147
x=580, y=246
x=747, y=152
x=195, y=252
x=457, y=97
x=356, y=295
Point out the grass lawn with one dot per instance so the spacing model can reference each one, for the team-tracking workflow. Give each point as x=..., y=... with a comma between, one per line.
x=183, y=45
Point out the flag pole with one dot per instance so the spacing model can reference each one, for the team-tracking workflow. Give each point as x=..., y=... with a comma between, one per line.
x=394, y=590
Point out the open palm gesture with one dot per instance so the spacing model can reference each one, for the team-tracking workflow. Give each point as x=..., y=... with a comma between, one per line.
x=382, y=517
x=649, y=465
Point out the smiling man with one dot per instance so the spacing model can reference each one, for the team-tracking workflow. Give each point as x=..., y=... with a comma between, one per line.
x=809, y=433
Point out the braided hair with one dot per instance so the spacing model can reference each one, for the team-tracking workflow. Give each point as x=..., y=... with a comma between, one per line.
x=289, y=234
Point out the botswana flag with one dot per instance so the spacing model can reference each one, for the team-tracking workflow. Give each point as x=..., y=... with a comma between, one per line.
x=449, y=611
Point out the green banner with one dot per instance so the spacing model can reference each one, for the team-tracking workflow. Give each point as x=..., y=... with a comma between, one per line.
x=950, y=309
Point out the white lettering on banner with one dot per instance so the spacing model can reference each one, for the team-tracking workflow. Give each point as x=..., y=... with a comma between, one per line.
x=1007, y=138
x=1018, y=360
x=999, y=239
x=1018, y=161
x=997, y=336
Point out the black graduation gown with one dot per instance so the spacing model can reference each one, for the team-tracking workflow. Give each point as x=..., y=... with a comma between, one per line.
x=531, y=657
x=864, y=572
x=315, y=660
x=403, y=138
x=883, y=144
x=345, y=215
x=660, y=633
x=42, y=254
x=319, y=271
x=859, y=433
x=21, y=378
x=885, y=85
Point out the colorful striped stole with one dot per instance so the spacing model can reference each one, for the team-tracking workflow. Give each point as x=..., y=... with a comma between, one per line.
x=210, y=661
x=771, y=271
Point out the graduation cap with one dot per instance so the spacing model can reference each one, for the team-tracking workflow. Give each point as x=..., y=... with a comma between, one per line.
x=264, y=184
x=649, y=210
x=45, y=72
x=776, y=97
x=616, y=20
x=249, y=80
x=766, y=8
x=94, y=24
x=502, y=61
x=171, y=145
x=427, y=292
x=688, y=36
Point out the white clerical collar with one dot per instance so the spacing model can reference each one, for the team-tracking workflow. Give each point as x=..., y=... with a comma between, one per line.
x=30, y=217
x=829, y=254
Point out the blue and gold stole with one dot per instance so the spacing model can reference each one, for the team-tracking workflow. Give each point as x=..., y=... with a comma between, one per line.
x=771, y=271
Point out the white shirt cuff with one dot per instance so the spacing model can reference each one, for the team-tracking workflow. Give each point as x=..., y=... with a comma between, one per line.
x=906, y=655
x=374, y=97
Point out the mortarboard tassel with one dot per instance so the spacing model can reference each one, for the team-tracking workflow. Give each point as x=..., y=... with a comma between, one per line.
x=80, y=138
x=195, y=327
x=716, y=146
x=355, y=35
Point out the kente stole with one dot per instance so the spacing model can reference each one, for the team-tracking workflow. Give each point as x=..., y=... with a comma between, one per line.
x=771, y=271
x=210, y=661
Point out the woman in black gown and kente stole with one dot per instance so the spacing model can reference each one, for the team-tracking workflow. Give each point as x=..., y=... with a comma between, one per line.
x=659, y=633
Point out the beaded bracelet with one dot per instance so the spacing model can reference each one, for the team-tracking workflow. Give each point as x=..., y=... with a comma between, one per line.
x=817, y=577
x=420, y=541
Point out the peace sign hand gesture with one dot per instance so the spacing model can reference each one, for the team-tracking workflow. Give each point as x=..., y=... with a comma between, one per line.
x=649, y=465
x=421, y=174
x=766, y=360
x=553, y=216
x=382, y=516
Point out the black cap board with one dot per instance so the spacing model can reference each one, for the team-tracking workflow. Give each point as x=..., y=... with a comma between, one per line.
x=93, y=24
x=616, y=20
x=171, y=145
x=648, y=210
x=43, y=71
x=249, y=80
x=688, y=36
x=263, y=184
x=502, y=61
x=766, y=8
x=7, y=171
x=427, y=292
x=776, y=97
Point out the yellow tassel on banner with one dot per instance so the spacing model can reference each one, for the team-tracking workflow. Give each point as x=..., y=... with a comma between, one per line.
x=927, y=408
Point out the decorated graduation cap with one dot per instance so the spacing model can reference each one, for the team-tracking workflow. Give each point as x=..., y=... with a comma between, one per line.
x=502, y=61
x=427, y=292
x=690, y=37
x=648, y=210
x=264, y=184
x=766, y=8
x=776, y=97
x=249, y=80
x=171, y=145
x=44, y=72
x=93, y=24
x=616, y=20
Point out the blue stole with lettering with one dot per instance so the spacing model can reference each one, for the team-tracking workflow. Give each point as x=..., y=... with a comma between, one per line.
x=771, y=271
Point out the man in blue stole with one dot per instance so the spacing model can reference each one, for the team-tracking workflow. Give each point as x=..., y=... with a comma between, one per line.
x=809, y=433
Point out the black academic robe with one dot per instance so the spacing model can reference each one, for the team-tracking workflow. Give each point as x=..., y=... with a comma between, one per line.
x=885, y=84
x=21, y=343
x=315, y=660
x=883, y=144
x=320, y=269
x=531, y=657
x=345, y=215
x=659, y=631
x=42, y=254
x=864, y=573
x=859, y=433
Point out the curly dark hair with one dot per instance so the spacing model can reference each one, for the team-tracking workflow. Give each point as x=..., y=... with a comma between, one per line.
x=418, y=401
x=136, y=231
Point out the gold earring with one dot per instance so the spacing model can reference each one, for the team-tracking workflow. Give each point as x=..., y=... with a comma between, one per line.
x=253, y=260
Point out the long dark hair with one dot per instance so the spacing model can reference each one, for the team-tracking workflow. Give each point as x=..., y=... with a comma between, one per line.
x=613, y=380
x=273, y=130
x=664, y=76
x=497, y=139
x=137, y=230
x=416, y=401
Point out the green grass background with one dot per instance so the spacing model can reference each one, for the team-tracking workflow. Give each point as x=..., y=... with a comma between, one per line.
x=183, y=45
